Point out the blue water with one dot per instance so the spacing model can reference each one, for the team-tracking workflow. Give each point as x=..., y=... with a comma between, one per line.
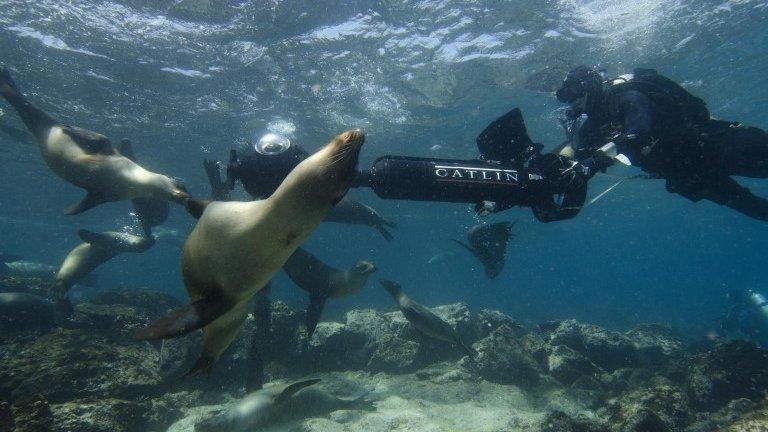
x=422, y=78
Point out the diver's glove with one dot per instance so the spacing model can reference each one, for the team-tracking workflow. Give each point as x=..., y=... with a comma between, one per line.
x=563, y=174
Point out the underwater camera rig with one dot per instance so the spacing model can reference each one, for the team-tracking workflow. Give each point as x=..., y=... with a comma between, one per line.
x=512, y=172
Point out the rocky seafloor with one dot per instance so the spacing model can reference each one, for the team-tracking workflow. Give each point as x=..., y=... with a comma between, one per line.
x=557, y=377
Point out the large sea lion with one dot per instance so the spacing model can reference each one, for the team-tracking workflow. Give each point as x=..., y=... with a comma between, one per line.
x=488, y=243
x=322, y=281
x=255, y=410
x=88, y=159
x=237, y=247
x=423, y=319
x=12, y=265
x=97, y=249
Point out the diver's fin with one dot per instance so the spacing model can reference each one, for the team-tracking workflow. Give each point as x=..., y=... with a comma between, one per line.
x=384, y=232
x=90, y=201
x=125, y=148
x=293, y=389
x=89, y=141
x=204, y=364
x=196, y=207
x=314, y=311
x=466, y=246
x=182, y=321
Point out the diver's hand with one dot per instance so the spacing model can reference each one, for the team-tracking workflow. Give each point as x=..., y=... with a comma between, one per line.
x=571, y=177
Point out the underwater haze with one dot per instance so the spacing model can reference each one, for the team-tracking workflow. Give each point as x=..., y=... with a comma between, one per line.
x=188, y=80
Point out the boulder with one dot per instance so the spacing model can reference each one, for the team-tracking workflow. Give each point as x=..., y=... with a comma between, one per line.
x=655, y=343
x=488, y=320
x=729, y=371
x=502, y=358
x=558, y=421
x=661, y=406
x=606, y=349
x=567, y=365
x=32, y=414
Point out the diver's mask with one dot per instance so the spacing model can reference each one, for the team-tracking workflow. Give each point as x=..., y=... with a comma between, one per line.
x=272, y=144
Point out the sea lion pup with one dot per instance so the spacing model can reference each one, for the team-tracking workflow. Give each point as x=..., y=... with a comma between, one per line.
x=97, y=249
x=12, y=265
x=353, y=212
x=255, y=410
x=237, y=247
x=488, y=243
x=423, y=319
x=87, y=159
x=322, y=281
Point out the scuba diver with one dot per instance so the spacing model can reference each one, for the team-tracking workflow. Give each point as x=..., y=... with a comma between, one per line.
x=746, y=316
x=512, y=171
x=650, y=121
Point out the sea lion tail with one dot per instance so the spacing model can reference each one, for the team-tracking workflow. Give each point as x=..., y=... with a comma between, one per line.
x=384, y=232
x=294, y=388
x=185, y=320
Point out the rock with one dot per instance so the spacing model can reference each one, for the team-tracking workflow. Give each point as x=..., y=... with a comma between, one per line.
x=488, y=320
x=755, y=421
x=32, y=285
x=459, y=317
x=110, y=415
x=558, y=421
x=153, y=303
x=330, y=346
x=125, y=311
x=566, y=365
x=729, y=371
x=66, y=364
x=655, y=343
x=606, y=349
x=659, y=407
x=393, y=354
x=502, y=359
x=32, y=414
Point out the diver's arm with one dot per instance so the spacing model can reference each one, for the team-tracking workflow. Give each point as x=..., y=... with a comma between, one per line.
x=634, y=110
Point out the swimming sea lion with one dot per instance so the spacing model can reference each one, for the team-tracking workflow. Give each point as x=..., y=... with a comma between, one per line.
x=322, y=281
x=255, y=410
x=97, y=249
x=22, y=310
x=22, y=268
x=354, y=212
x=87, y=159
x=150, y=212
x=237, y=247
x=488, y=243
x=423, y=319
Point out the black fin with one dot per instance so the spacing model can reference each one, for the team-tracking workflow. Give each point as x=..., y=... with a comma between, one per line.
x=204, y=363
x=466, y=246
x=293, y=389
x=182, y=321
x=505, y=138
x=314, y=311
x=125, y=148
x=91, y=142
x=196, y=207
x=90, y=201
x=384, y=232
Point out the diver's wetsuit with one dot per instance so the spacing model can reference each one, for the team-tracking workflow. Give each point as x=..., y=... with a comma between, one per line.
x=695, y=158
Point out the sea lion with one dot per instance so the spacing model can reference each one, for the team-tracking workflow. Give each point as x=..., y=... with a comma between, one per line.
x=353, y=212
x=21, y=311
x=97, y=249
x=423, y=319
x=21, y=268
x=88, y=159
x=488, y=243
x=255, y=410
x=237, y=247
x=150, y=212
x=322, y=281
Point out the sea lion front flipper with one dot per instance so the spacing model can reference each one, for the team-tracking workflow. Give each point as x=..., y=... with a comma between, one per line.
x=293, y=389
x=125, y=148
x=314, y=311
x=90, y=236
x=150, y=212
x=384, y=232
x=90, y=201
x=182, y=321
x=196, y=207
x=91, y=142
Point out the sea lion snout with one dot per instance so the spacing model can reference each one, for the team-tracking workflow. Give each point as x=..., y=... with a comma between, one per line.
x=365, y=268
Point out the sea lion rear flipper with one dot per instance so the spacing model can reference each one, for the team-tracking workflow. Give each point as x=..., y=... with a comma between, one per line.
x=294, y=388
x=36, y=120
x=384, y=232
x=314, y=311
x=204, y=363
x=187, y=319
x=89, y=141
x=196, y=207
x=90, y=201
